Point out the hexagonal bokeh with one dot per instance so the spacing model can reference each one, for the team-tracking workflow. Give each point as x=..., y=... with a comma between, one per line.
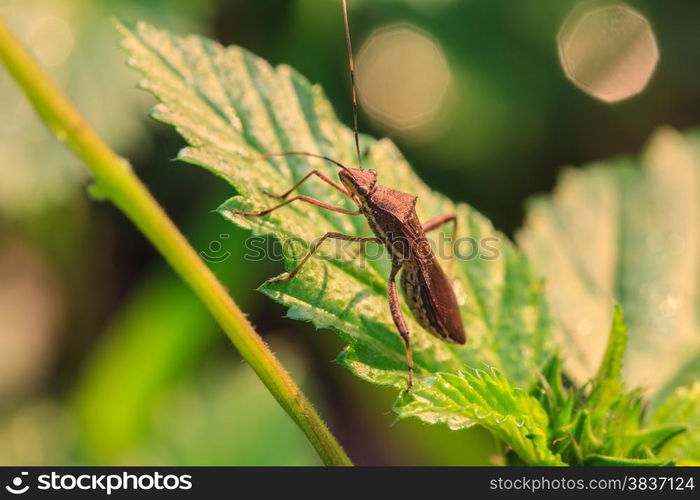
x=608, y=51
x=402, y=77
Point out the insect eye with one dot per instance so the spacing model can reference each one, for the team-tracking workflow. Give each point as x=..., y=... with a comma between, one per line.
x=372, y=171
x=362, y=190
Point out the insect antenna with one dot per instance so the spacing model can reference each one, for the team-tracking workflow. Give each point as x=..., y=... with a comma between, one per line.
x=351, y=62
x=300, y=153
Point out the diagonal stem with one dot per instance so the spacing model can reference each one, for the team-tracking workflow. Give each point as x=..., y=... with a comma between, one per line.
x=116, y=181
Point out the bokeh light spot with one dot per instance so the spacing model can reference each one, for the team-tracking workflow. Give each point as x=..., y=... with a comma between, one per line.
x=608, y=51
x=402, y=77
x=51, y=39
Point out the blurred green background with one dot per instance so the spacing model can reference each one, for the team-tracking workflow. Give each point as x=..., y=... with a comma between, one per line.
x=106, y=357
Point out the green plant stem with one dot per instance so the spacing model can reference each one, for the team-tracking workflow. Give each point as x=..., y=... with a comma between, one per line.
x=116, y=181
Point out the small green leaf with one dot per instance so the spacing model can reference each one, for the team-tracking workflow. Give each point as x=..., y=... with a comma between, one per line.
x=487, y=399
x=582, y=432
x=552, y=385
x=608, y=382
x=652, y=439
x=681, y=409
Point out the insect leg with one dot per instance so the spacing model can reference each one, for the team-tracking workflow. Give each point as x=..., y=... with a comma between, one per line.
x=439, y=221
x=361, y=250
x=318, y=174
x=305, y=199
x=400, y=321
x=332, y=235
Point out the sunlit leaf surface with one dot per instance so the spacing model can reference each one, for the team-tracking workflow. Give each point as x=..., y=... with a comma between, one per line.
x=487, y=399
x=625, y=230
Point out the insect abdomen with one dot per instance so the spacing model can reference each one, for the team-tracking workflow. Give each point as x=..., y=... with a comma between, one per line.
x=441, y=317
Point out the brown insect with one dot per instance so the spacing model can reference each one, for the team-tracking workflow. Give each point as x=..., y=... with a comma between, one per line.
x=392, y=217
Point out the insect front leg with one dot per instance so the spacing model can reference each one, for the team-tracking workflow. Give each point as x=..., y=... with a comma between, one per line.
x=318, y=174
x=305, y=199
x=440, y=221
x=400, y=321
x=331, y=235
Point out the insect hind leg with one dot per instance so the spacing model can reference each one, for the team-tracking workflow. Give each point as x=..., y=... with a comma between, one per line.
x=400, y=321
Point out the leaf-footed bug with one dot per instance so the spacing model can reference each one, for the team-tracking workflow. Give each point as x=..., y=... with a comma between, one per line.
x=392, y=217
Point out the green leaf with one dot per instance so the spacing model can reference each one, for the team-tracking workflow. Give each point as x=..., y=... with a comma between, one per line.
x=682, y=409
x=625, y=230
x=232, y=107
x=488, y=399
